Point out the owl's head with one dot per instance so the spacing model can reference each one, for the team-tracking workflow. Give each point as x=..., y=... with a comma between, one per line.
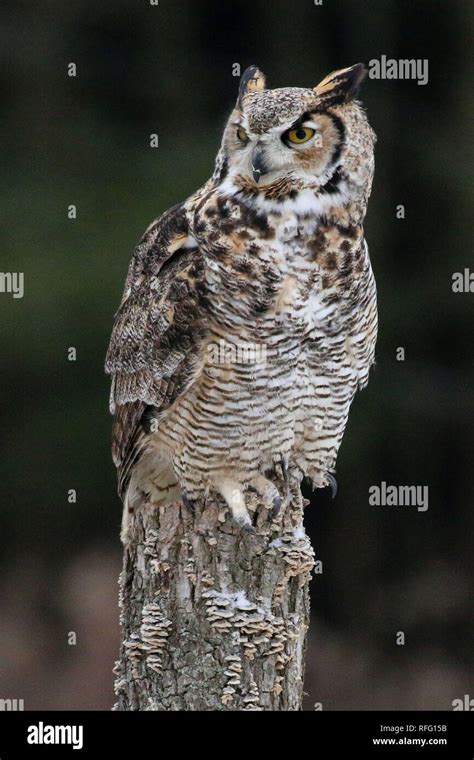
x=280, y=142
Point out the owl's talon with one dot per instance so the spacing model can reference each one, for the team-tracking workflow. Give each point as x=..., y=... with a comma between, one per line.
x=245, y=526
x=188, y=503
x=284, y=470
x=333, y=483
x=268, y=493
x=276, y=506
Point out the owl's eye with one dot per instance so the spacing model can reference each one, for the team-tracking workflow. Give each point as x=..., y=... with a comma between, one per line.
x=242, y=135
x=300, y=135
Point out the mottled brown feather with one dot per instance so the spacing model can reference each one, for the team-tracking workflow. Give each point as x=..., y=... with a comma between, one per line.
x=159, y=327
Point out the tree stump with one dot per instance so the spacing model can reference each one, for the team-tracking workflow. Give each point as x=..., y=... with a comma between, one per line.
x=214, y=618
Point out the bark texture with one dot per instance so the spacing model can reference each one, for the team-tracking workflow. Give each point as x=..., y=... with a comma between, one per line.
x=214, y=618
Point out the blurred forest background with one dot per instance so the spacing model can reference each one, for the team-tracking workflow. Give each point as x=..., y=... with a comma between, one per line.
x=167, y=69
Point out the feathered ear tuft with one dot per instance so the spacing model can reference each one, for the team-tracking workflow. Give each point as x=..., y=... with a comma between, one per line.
x=252, y=80
x=341, y=86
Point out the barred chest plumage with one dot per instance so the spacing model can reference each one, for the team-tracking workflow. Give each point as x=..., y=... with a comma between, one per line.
x=289, y=347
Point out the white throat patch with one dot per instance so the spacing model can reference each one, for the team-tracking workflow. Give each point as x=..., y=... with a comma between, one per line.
x=307, y=201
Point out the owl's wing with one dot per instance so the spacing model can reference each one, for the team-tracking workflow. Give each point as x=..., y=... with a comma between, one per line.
x=158, y=339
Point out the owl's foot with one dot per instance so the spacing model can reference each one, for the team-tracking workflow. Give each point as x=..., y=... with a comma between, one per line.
x=190, y=506
x=233, y=493
x=269, y=494
x=317, y=480
x=332, y=482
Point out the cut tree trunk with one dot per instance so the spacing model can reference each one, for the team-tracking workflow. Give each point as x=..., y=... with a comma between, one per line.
x=214, y=618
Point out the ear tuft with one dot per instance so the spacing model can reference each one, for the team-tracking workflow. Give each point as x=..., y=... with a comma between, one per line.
x=252, y=80
x=341, y=86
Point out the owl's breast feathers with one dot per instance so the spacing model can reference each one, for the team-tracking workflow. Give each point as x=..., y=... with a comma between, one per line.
x=285, y=271
x=214, y=267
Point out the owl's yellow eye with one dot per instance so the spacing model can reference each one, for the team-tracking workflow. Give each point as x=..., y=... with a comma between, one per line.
x=300, y=135
x=242, y=135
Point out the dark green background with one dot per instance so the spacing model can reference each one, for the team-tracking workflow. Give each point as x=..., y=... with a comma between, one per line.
x=85, y=141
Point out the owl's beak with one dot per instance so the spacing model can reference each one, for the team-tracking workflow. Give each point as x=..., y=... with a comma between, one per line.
x=258, y=163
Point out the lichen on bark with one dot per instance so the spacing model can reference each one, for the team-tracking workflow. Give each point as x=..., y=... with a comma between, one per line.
x=214, y=618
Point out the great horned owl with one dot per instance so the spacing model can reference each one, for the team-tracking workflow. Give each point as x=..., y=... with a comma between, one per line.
x=249, y=316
